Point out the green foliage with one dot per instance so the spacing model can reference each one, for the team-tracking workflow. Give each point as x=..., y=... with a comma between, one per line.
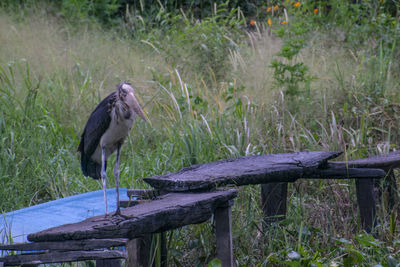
x=215, y=263
x=185, y=39
x=290, y=75
x=355, y=22
x=194, y=69
x=35, y=147
x=105, y=11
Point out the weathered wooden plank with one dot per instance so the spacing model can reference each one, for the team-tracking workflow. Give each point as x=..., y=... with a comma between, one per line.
x=366, y=203
x=131, y=203
x=170, y=211
x=223, y=232
x=86, y=244
x=66, y=256
x=336, y=172
x=259, y=170
x=385, y=161
x=273, y=201
x=242, y=171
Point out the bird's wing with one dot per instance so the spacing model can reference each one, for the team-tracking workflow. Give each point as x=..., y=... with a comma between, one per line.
x=97, y=124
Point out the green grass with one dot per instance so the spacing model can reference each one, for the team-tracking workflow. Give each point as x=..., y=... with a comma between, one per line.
x=206, y=105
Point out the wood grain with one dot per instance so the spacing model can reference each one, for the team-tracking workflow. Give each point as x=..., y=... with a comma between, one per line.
x=86, y=244
x=169, y=211
x=262, y=169
x=385, y=161
x=57, y=256
x=286, y=167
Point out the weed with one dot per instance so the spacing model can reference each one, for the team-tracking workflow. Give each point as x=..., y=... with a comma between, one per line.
x=209, y=94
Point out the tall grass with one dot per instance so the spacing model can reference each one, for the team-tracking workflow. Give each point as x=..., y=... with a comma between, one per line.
x=53, y=75
x=50, y=82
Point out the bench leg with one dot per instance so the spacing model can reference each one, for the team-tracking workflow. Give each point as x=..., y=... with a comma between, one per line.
x=366, y=203
x=273, y=201
x=223, y=225
x=139, y=251
x=108, y=263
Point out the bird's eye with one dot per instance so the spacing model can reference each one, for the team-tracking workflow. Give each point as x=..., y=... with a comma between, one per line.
x=124, y=91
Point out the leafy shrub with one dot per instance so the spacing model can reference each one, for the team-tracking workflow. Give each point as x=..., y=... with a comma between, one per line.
x=206, y=42
x=105, y=11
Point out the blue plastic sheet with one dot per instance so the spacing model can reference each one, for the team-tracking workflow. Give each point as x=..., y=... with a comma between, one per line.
x=18, y=224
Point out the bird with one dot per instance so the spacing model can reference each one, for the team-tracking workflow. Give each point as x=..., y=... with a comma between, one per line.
x=105, y=132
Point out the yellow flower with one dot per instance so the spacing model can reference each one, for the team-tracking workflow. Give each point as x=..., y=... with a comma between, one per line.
x=297, y=4
x=316, y=11
x=276, y=8
x=284, y=22
x=269, y=9
x=269, y=22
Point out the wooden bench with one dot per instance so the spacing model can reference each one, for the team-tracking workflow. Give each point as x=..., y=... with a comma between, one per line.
x=262, y=169
x=92, y=239
x=274, y=171
x=274, y=195
x=184, y=201
x=365, y=188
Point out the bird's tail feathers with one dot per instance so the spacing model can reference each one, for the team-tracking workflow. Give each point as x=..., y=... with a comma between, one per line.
x=91, y=168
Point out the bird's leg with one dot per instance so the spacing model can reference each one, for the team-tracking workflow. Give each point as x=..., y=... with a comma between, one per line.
x=104, y=176
x=116, y=176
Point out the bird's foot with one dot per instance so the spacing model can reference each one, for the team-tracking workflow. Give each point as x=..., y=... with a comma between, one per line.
x=119, y=214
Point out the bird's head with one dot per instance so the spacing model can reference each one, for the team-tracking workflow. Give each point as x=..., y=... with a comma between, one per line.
x=126, y=93
x=124, y=89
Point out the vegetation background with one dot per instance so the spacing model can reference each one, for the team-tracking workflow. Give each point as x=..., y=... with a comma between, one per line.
x=217, y=80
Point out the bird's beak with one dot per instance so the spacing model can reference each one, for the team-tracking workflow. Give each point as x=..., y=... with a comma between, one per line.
x=137, y=108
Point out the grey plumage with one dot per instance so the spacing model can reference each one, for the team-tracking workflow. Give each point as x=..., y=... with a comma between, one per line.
x=105, y=132
x=96, y=126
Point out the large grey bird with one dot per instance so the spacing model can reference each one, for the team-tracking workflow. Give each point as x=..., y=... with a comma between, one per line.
x=105, y=132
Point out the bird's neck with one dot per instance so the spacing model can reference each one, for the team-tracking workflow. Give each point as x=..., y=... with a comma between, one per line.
x=121, y=109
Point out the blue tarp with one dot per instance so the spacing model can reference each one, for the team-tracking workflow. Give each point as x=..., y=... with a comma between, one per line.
x=72, y=209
